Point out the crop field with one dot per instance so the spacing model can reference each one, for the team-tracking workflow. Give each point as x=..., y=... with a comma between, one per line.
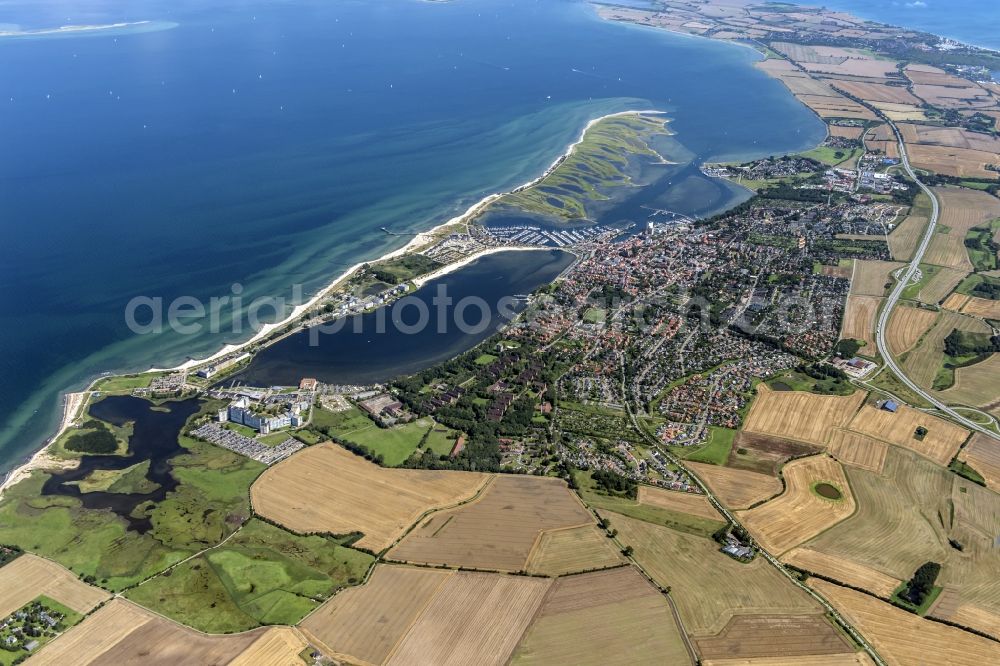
x=909, y=514
x=961, y=210
x=29, y=577
x=976, y=385
x=474, y=618
x=939, y=444
x=858, y=450
x=950, y=607
x=737, y=488
x=959, y=162
x=846, y=132
x=955, y=302
x=278, y=646
x=876, y=92
x=327, y=489
x=799, y=415
x=859, y=320
x=855, y=659
x=904, y=238
x=841, y=569
x=904, y=638
x=697, y=505
x=923, y=362
x=564, y=551
x=122, y=633
x=800, y=513
x=906, y=326
x=496, y=531
x=708, y=586
x=751, y=636
x=940, y=284
x=600, y=618
x=900, y=112
x=766, y=454
x=982, y=307
x=871, y=277
x=262, y=575
x=983, y=454
x=366, y=622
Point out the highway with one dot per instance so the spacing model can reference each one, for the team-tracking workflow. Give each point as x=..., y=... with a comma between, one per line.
x=893, y=299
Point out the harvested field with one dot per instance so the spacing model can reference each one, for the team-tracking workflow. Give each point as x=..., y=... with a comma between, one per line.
x=906, y=326
x=922, y=362
x=279, y=646
x=601, y=618
x=900, y=112
x=976, y=386
x=496, y=531
x=983, y=454
x=564, y=551
x=367, y=622
x=737, y=488
x=766, y=454
x=697, y=505
x=876, y=92
x=904, y=238
x=941, y=284
x=955, y=302
x=950, y=137
x=846, y=132
x=30, y=576
x=325, y=488
x=909, y=514
x=123, y=633
x=799, y=513
x=708, y=586
x=798, y=415
x=961, y=210
x=960, y=162
x=968, y=97
x=474, y=618
x=858, y=450
x=750, y=636
x=904, y=638
x=844, y=570
x=950, y=607
x=859, y=320
x=940, y=444
x=871, y=277
x=855, y=659
x=982, y=307
x=924, y=75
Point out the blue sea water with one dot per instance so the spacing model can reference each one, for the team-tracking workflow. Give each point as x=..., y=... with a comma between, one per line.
x=975, y=22
x=265, y=144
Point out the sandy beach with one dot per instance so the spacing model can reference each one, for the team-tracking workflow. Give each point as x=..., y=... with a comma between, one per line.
x=75, y=401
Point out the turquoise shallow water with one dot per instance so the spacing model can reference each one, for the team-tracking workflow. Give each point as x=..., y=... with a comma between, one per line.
x=266, y=143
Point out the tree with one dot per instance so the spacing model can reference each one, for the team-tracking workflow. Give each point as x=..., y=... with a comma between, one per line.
x=627, y=551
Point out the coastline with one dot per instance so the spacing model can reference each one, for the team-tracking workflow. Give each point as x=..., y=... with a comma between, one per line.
x=71, y=406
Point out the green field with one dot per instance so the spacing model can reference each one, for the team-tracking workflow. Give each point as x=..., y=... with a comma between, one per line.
x=681, y=522
x=485, y=359
x=831, y=156
x=126, y=383
x=440, y=440
x=714, y=451
x=126, y=481
x=263, y=575
x=209, y=502
x=595, y=315
x=394, y=444
x=404, y=268
x=793, y=380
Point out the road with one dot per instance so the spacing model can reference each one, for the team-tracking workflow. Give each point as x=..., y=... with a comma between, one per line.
x=897, y=291
x=728, y=515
